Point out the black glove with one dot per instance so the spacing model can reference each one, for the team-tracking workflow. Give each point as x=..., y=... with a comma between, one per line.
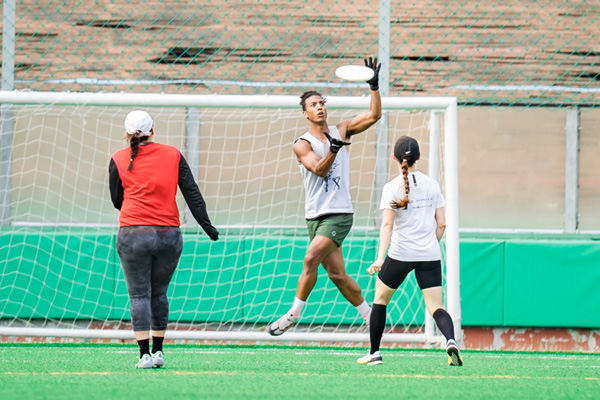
x=335, y=144
x=212, y=232
x=374, y=81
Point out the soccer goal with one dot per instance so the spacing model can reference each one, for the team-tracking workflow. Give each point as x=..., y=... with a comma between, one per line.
x=60, y=275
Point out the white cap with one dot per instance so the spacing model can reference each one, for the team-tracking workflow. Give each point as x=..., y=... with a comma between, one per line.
x=139, y=121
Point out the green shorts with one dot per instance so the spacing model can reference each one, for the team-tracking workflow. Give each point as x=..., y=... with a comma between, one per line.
x=333, y=226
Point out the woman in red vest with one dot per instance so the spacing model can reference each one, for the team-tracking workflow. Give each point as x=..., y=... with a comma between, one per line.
x=143, y=185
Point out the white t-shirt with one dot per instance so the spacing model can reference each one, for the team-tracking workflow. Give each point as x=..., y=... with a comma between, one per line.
x=329, y=194
x=413, y=235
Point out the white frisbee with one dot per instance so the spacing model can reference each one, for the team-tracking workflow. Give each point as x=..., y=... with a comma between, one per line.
x=354, y=72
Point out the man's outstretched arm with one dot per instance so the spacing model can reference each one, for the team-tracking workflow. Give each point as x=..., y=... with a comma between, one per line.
x=364, y=121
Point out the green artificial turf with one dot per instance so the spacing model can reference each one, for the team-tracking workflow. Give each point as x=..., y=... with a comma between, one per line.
x=91, y=371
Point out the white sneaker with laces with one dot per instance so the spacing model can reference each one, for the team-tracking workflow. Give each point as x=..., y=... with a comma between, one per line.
x=145, y=362
x=282, y=324
x=158, y=359
x=371, y=359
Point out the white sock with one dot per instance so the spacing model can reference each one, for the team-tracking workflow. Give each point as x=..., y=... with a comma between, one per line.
x=364, y=309
x=297, y=306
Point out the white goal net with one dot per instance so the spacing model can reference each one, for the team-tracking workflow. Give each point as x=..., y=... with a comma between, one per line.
x=59, y=271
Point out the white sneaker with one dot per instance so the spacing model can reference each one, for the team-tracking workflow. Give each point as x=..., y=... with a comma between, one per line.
x=282, y=324
x=158, y=360
x=145, y=362
x=454, y=357
x=371, y=359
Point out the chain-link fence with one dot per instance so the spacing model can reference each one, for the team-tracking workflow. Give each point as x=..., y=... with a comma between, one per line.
x=483, y=52
x=516, y=54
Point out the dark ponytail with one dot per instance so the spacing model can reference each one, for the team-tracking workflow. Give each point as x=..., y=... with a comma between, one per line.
x=406, y=162
x=404, y=202
x=134, y=143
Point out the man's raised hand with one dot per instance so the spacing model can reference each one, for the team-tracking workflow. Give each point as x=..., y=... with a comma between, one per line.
x=372, y=63
x=335, y=144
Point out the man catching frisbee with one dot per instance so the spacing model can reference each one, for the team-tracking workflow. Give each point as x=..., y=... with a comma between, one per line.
x=325, y=167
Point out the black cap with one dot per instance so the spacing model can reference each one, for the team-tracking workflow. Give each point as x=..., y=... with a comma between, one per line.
x=406, y=148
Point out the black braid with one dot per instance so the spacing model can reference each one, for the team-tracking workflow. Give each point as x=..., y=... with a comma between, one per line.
x=404, y=202
x=406, y=162
x=134, y=144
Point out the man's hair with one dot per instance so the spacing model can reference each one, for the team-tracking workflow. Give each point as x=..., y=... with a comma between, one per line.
x=308, y=94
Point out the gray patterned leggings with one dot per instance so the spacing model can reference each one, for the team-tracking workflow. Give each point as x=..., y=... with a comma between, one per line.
x=149, y=256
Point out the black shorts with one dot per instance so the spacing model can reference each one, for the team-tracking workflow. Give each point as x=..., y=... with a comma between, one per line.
x=428, y=273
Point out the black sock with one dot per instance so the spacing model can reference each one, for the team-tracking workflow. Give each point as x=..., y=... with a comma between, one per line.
x=157, y=342
x=444, y=323
x=377, y=325
x=144, y=346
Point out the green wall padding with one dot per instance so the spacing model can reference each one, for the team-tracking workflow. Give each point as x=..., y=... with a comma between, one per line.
x=552, y=284
x=68, y=275
x=56, y=275
x=482, y=282
x=219, y=279
x=267, y=280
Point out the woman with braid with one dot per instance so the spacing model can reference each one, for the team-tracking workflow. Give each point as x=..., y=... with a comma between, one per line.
x=412, y=225
x=143, y=185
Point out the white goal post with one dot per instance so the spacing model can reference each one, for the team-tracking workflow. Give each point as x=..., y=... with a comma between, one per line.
x=253, y=212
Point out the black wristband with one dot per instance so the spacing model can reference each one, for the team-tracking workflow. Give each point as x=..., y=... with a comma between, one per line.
x=331, y=149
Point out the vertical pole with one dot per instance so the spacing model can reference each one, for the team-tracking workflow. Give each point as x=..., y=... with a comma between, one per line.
x=434, y=145
x=6, y=110
x=384, y=47
x=382, y=140
x=434, y=173
x=571, y=219
x=192, y=151
x=452, y=223
x=8, y=45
